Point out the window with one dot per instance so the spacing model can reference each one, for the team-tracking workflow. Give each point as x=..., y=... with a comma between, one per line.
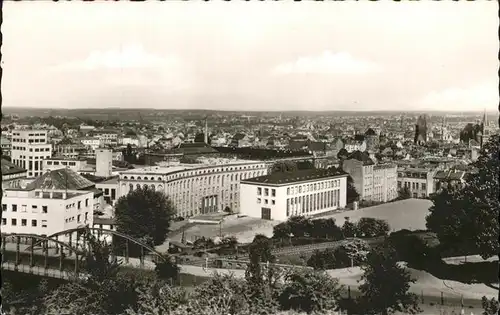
x=266, y=201
x=86, y=202
x=33, y=223
x=34, y=208
x=78, y=218
x=4, y=207
x=288, y=191
x=273, y=192
x=266, y=192
x=14, y=222
x=258, y=200
x=23, y=222
x=259, y=191
x=424, y=186
x=44, y=209
x=23, y=208
x=14, y=208
x=273, y=202
x=4, y=221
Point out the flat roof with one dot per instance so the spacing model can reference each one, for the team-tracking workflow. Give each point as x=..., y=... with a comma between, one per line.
x=160, y=170
x=281, y=178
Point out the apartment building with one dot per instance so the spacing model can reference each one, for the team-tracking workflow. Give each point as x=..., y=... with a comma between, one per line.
x=29, y=149
x=69, y=148
x=107, y=137
x=45, y=212
x=211, y=186
x=419, y=181
x=281, y=195
x=373, y=182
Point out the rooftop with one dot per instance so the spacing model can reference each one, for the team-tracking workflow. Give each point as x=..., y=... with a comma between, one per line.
x=281, y=178
x=62, y=178
x=9, y=168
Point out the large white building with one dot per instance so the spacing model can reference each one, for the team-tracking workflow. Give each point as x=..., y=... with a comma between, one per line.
x=45, y=212
x=419, y=181
x=208, y=187
x=373, y=182
x=280, y=196
x=29, y=149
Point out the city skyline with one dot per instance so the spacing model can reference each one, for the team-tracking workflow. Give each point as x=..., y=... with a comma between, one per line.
x=252, y=56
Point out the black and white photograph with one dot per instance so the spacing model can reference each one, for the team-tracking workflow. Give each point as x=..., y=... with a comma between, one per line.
x=250, y=157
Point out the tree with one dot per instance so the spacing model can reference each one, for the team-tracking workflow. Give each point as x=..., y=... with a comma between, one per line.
x=261, y=276
x=322, y=260
x=325, y=228
x=349, y=229
x=221, y=294
x=158, y=298
x=228, y=210
x=144, y=212
x=299, y=226
x=491, y=307
x=167, y=269
x=310, y=291
x=471, y=212
x=282, y=230
x=105, y=291
x=351, y=253
x=404, y=193
x=342, y=154
x=371, y=227
x=352, y=193
x=385, y=285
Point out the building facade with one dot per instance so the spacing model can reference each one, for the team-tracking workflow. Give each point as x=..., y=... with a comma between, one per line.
x=56, y=163
x=280, y=196
x=418, y=181
x=195, y=189
x=45, y=212
x=29, y=149
x=373, y=182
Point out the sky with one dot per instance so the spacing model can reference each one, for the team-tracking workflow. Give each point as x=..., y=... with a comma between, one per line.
x=234, y=55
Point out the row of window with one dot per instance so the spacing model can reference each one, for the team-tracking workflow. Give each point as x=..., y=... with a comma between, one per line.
x=313, y=187
x=412, y=175
x=266, y=201
x=413, y=185
x=36, y=140
x=198, y=173
x=312, y=202
x=31, y=149
x=24, y=222
x=78, y=218
x=24, y=208
x=62, y=163
x=266, y=192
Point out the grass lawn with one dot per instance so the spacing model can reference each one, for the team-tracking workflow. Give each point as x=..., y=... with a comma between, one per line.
x=404, y=214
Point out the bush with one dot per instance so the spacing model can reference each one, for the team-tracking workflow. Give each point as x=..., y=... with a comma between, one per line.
x=322, y=260
x=310, y=291
x=371, y=227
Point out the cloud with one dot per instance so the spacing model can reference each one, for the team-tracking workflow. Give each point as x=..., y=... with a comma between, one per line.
x=327, y=63
x=478, y=97
x=131, y=56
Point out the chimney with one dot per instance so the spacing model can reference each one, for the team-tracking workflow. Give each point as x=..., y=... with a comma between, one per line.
x=206, y=131
x=64, y=195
